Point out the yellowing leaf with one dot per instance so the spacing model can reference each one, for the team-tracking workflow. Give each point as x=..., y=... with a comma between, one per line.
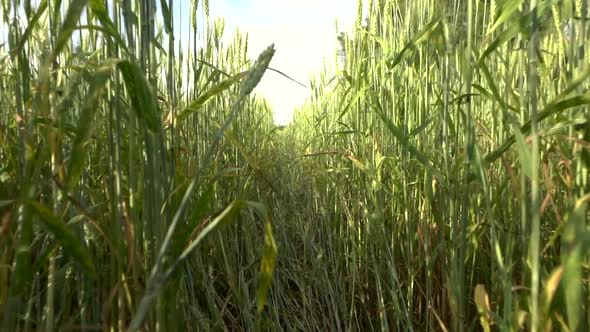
x=482, y=302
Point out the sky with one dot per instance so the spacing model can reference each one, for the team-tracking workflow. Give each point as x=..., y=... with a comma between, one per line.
x=304, y=34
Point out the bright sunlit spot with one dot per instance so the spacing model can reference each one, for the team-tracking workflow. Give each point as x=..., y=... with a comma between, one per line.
x=304, y=34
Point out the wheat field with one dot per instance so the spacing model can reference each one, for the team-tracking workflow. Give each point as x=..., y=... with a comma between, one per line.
x=436, y=178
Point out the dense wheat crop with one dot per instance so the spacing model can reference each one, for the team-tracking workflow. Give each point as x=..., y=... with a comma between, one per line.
x=436, y=178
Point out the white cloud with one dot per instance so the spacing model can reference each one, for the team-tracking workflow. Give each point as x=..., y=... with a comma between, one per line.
x=304, y=34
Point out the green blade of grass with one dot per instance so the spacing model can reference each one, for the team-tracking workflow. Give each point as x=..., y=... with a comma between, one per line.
x=214, y=91
x=25, y=37
x=577, y=239
x=522, y=25
x=267, y=266
x=182, y=237
x=64, y=236
x=549, y=110
x=166, y=15
x=415, y=42
x=405, y=142
x=158, y=279
x=69, y=24
x=78, y=155
x=506, y=11
x=140, y=94
x=99, y=9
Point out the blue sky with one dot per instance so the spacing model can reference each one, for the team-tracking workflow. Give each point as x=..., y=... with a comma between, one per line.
x=304, y=34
